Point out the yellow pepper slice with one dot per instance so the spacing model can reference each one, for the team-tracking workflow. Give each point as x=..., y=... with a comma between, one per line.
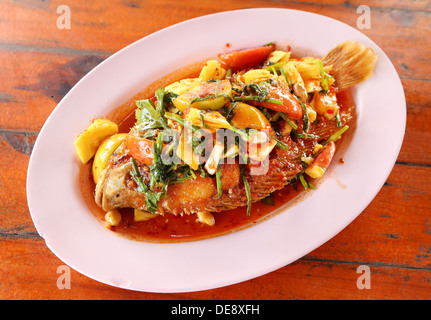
x=104, y=152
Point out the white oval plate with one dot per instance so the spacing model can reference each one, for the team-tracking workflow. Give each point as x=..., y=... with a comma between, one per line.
x=78, y=239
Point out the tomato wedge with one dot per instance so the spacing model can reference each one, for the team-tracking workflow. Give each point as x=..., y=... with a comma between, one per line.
x=246, y=116
x=246, y=58
x=324, y=158
x=140, y=148
x=290, y=104
x=318, y=167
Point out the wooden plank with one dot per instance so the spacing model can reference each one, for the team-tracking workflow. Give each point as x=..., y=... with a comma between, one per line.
x=36, y=278
x=416, y=5
x=95, y=27
x=34, y=82
x=14, y=217
x=41, y=64
x=415, y=148
x=309, y=279
x=384, y=236
x=394, y=229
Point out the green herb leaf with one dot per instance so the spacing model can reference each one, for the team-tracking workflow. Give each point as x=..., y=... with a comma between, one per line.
x=281, y=144
x=323, y=76
x=181, y=121
x=338, y=120
x=229, y=109
x=201, y=115
x=208, y=97
x=337, y=134
x=151, y=200
x=228, y=73
x=305, y=120
x=247, y=190
x=303, y=181
x=240, y=132
x=218, y=179
x=292, y=124
x=258, y=98
x=269, y=200
x=275, y=101
x=142, y=187
x=311, y=186
x=283, y=72
x=304, y=135
x=274, y=68
x=147, y=117
x=160, y=93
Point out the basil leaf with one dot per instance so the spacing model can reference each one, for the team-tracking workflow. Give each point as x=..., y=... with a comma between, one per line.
x=147, y=117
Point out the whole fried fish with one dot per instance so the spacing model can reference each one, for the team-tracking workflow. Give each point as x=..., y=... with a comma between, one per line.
x=300, y=141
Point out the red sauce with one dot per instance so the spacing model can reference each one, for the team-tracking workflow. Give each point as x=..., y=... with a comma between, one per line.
x=170, y=228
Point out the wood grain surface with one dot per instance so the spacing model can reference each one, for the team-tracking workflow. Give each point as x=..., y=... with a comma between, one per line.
x=40, y=64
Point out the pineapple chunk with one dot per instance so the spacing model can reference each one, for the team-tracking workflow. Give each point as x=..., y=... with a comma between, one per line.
x=212, y=70
x=294, y=78
x=256, y=76
x=311, y=114
x=182, y=86
x=317, y=148
x=309, y=70
x=315, y=172
x=213, y=119
x=325, y=104
x=215, y=156
x=89, y=141
x=140, y=215
x=261, y=151
x=292, y=74
x=278, y=56
x=185, y=152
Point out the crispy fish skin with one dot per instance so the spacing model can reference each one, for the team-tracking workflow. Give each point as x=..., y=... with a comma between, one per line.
x=191, y=196
x=117, y=189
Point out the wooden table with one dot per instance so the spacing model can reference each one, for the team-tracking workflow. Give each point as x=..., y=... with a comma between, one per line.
x=40, y=63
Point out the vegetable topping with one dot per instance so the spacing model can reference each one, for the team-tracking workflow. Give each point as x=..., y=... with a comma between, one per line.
x=246, y=105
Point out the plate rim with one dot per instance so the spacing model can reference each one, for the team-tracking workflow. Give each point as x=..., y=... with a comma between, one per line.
x=249, y=275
